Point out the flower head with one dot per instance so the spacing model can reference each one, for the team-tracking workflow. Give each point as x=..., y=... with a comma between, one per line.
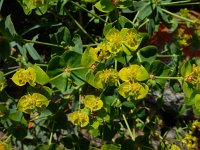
x=133, y=90
x=132, y=73
x=106, y=77
x=31, y=102
x=93, y=103
x=22, y=76
x=79, y=118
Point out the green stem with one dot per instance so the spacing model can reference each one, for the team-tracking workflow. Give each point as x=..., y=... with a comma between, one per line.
x=10, y=72
x=55, y=77
x=41, y=43
x=78, y=68
x=80, y=27
x=88, y=11
x=177, y=16
x=163, y=56
x=90, y=45
x=8, y=138
x=172, y=3
x=116, y=64
x=140, y=60
x=51, y=135
x=180, y=3
x=129, y=130
x=147, y=20
x=42, y=65
x=135, y=17
x=159, y=77
x=183, y=4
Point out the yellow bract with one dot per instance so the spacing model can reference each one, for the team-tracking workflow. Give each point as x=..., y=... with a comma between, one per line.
x=133, y=72
x=22, y=76
x=114, y=41
x=190, y=141
x=93, y=103
x=133, y=90
x=131, y=40
x=183, y=38
x=174, y=147
x=106, y=77
x=79, y=118
x=100, y=52
x=31, y=102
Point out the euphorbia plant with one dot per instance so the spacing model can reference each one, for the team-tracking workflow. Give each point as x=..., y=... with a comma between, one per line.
x=98, y=71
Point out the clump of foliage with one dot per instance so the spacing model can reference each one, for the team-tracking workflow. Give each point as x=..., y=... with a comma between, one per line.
x=93, y=74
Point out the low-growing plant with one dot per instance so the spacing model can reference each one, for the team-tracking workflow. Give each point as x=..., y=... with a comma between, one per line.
x=100, y=74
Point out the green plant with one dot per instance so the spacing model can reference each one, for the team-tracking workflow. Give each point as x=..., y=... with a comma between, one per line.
x=93, y=74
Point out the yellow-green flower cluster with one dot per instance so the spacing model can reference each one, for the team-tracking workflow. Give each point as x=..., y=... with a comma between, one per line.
x=32, y=102
x=127, y=40
x=132, y=88
x=190, y=141
x=196, y=125
x=81, y=116
x=183, y=38
x=93, y=103
x=106, y=77
x=5, y=146
x=186, y=14
x=174, y=147
x=23, y=76
x=194, y=76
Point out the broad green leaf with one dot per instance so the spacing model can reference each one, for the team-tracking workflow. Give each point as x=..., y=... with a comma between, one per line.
x=71, y=59
x=41, y=76
x=32, y=51
x=95, y=132
x=87, y=60
x=107, y=28
x=17, y=116
x=104, y=6
x=187, y=89
x=54, y=67
x=148, y=53
x=60, y=83
x=61, y=37
x=128, y=104
x=110, y=147
x=42, y=9
x=125, y=22
x=186, y=69
x=145, y=11
x=78, y=76
x=9, y=27
x=197, y=101
x=124, y=3
x=77, y=44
